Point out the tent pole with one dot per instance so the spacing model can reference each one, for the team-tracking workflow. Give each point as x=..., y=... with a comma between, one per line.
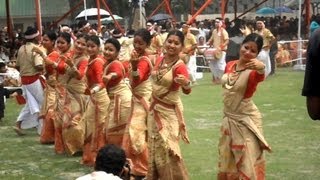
x=38, y=15
x=192, y=8
x=223, y=8
x=85, y=8
x=140, y=14
x=307, y=6
x=299, y=65
x=203, y=7
x=235, y=8
x=114, y=20
x=9, y=24
x=168, y=9
x=66, y=14
x=156, y=9
x=99, y=15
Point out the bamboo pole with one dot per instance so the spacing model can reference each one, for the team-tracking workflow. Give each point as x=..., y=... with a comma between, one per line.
x=99, y=16
x=115, y=21
x=66, y=14
x=156, y=9
x=205, y=5
x=9, y=24
x=38, y=16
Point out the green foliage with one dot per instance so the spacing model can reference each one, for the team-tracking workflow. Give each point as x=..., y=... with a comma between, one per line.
x=287, y=128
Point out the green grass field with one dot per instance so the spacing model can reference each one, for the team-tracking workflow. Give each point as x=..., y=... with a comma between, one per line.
x=287, y=128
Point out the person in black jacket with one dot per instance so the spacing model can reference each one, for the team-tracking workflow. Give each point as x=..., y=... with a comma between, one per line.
x=311, y=86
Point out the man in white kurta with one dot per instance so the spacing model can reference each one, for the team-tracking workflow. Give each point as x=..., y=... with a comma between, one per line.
x=30, y=65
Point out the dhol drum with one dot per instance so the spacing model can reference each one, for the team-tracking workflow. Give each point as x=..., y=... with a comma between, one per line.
x=212, y=54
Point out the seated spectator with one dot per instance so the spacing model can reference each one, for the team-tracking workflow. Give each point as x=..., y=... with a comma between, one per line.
x=110, y=164
x=8, y=77
x=293, y=48
x=4, y=54
x=201, y=45
x=283, y=58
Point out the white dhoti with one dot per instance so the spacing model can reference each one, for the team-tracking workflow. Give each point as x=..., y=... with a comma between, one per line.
x=29, y=115
x=217, y=66
x=265, y=58
x=192, y=67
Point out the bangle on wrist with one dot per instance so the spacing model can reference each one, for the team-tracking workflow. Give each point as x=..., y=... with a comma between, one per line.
x=95, y=89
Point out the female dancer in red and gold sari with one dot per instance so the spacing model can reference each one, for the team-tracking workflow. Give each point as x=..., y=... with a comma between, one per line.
x=49, y=103
x=75, y=99
x=242, y=143
x=166, y=123
x=63, y=46
x=118, y=91
x=135, y=139
x=97, y=110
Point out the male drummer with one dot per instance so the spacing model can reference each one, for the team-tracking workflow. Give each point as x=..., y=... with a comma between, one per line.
x=219, y=40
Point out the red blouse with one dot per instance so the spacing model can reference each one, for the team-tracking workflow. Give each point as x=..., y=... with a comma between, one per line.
x=180, y=69
x=95, y=72
x=144, y=72
x=61, y=68
x=126, y=65
x=254, y=79
x=82, y=65
x=53, y=56
x=115, y=67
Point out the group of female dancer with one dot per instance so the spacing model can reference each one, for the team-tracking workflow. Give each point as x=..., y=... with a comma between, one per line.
x=89, y=103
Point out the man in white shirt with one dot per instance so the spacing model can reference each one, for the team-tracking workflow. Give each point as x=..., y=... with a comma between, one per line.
x=110, y=164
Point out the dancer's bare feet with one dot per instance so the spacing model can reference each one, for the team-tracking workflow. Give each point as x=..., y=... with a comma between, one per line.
x=216, y=81
x=18, y=131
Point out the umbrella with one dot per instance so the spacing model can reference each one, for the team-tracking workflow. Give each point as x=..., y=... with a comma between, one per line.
x=160, y=16
x=116, y=17
x=266, y=10
x=283, y=9
x=92, y=13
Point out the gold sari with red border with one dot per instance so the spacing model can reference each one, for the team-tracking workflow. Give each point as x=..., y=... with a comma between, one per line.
x=242, y=142
x=164, y=128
